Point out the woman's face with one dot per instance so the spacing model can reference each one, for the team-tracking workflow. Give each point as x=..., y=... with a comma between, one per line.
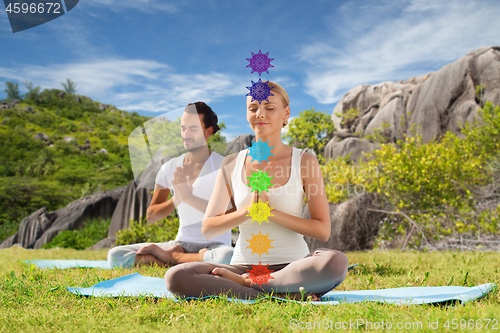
x=267, y=117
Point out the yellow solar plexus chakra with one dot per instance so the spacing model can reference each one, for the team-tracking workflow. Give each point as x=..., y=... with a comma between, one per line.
x=260, y=211
x=260, y=244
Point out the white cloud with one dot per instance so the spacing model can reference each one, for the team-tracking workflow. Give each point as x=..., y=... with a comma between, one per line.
x=406, y=39
x=130, y=84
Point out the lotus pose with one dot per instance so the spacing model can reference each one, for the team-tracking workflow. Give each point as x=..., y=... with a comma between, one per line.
x=270, y=255
x=191, y=177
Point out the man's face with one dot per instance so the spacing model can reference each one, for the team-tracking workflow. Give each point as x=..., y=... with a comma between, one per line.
x=193, y=131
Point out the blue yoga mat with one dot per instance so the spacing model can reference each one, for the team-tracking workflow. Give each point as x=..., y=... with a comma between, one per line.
x=78, y=263
x=139, y=285
x=69, y=263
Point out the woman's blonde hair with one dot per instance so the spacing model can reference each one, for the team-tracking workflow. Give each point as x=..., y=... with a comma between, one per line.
x=277, y=89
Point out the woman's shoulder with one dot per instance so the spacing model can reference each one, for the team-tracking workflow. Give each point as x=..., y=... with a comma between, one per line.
x=229, y=159
x=307, y=162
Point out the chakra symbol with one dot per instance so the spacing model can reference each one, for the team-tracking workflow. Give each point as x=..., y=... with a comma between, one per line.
x=260, y=181
x=260, y=211
x=260, y=244
x=260, y=151
x=260, y=62
x=260, y=274
x=260, y=91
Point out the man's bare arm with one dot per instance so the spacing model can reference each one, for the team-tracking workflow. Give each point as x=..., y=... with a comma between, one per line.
x=160, y=206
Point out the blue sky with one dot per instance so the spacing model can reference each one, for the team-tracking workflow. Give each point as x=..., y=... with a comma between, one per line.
x=153, y=56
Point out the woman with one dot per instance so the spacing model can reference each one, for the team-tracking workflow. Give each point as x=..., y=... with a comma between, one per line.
x=277, y=244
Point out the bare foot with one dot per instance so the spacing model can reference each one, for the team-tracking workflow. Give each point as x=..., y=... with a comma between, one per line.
x=165, y=255
x=148, y=249
x=239, y=279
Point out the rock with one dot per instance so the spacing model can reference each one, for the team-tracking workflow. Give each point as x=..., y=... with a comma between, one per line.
x=69, y=138
x=438, y=103
x=31, y=229
x=87, y=141
x=133, y=205
x=122, y=128
x=14, y=102
x=105, y=243
x=354, y=146
x=78, y=98
x=61, y=94
x=41, y=227
x=161, y=119
x=354, y=228
x=84, y=147
x=433, y=103
x=28, y=109
x=41, y=136
x=392, y=114
x=124, y=115
x=240, y=142
x=102, y=107
x=4, y=121
x=102, y=151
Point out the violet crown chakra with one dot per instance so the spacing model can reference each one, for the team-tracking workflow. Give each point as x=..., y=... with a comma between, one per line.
x=260, y=62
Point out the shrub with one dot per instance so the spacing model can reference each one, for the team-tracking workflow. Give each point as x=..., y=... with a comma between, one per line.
x=430, y=188
x=144, y=232
x=92, y=232
x=311, y=129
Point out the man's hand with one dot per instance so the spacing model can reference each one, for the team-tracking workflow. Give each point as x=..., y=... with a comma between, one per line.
x=182, y=188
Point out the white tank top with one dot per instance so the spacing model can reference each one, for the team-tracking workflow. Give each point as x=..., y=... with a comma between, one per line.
x=287, y=245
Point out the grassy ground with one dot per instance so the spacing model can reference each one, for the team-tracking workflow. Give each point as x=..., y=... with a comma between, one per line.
x=33, y=299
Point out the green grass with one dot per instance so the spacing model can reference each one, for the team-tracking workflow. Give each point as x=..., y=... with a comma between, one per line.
x=33, y=299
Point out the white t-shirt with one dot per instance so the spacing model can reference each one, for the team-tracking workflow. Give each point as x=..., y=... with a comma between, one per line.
x=190, y=218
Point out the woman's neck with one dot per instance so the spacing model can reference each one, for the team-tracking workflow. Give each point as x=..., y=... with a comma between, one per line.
x=278, y=146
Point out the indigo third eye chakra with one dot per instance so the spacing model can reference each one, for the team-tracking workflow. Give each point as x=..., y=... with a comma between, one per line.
x=260, y=91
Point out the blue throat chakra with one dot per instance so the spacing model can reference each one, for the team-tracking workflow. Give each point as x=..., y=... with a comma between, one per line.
x=260, y=91
x=260, y=62
x=260, y=151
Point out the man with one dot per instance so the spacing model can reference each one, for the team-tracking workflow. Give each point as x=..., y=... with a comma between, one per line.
x=191, y=176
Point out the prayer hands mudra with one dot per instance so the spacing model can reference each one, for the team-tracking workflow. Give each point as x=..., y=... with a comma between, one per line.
x=183, y=188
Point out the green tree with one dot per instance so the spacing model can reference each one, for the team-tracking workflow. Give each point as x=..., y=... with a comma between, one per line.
x=311, y=129
x=12, y=90
x=33, y=92
x=69, y=86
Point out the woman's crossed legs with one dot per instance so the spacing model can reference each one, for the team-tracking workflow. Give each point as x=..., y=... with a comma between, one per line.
x=318, y=273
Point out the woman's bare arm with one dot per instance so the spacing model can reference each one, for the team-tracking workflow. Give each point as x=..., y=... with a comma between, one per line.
x=318, y=226
x=218, y=219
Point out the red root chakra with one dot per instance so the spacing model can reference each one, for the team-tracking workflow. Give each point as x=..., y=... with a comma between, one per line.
x=260, y=274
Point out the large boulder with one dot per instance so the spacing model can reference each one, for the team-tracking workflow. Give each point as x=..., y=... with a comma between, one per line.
x=354, y=146
x=240, y=142
x=354, y=227
x=432, y=104
x=133, y=205
x=41, y=227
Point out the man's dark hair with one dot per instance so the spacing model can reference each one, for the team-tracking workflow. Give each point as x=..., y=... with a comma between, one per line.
x=209, y=116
